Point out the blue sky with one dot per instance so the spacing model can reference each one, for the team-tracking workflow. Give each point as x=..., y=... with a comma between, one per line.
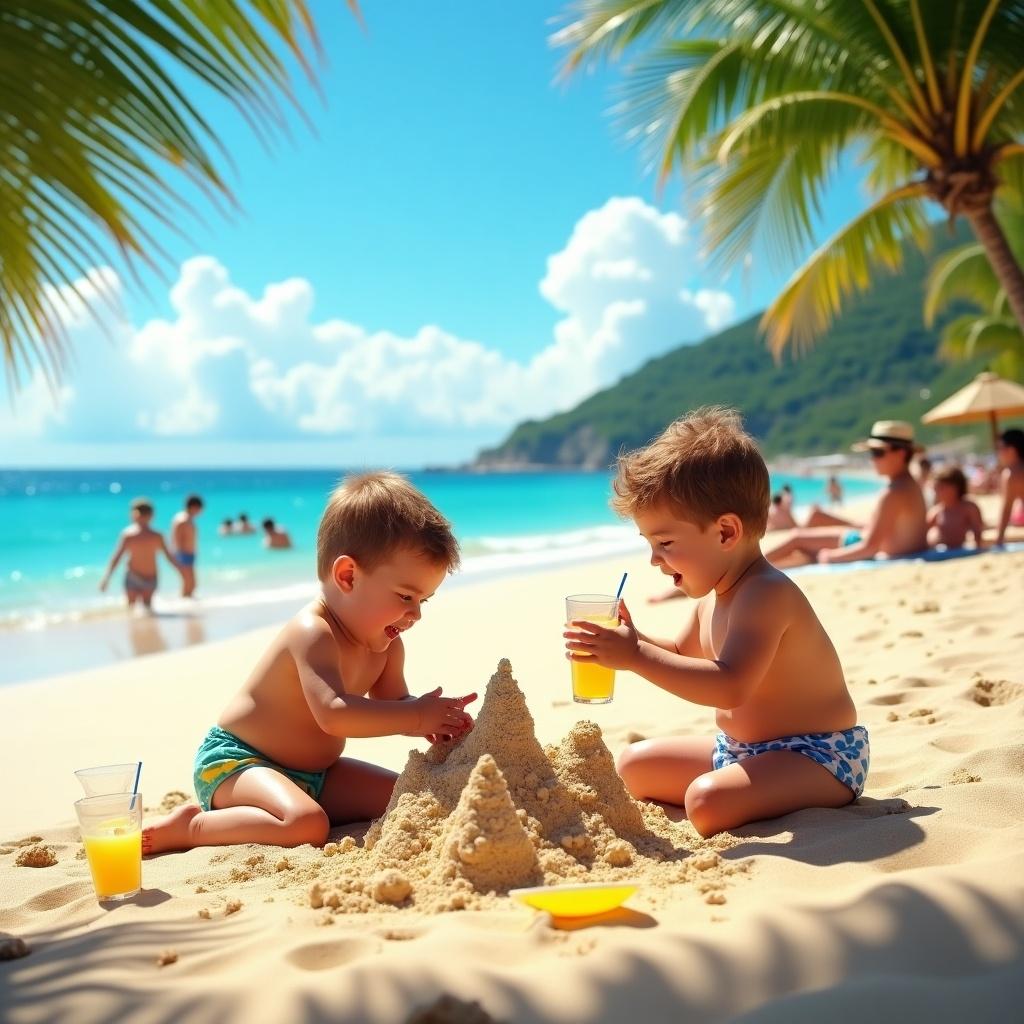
x=460, y=242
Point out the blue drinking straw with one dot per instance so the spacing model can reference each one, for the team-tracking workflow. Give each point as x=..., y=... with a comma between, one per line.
x=622, y=583
x=135, y=786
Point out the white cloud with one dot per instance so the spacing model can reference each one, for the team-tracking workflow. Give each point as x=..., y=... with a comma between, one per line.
x=228, y=366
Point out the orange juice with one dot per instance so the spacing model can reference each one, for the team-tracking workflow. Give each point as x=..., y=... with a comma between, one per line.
x=115, y=859
x=594, y=684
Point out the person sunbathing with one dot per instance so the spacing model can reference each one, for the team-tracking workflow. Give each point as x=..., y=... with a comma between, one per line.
x=954, y=515
x=897, y=527
x=779, y=515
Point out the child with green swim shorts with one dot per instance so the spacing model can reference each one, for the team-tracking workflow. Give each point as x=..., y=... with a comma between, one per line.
x=271, y=771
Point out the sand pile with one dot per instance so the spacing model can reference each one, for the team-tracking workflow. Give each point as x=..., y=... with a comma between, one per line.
x=470, y=820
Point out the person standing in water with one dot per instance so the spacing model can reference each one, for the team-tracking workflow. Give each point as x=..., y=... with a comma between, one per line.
x=185, y=542
x=141, y=544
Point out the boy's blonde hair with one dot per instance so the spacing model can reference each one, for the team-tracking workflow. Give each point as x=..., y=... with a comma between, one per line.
x=370, y=515
x=705, y=465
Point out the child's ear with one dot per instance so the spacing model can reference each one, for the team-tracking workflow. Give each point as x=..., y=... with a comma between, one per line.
x=730, y=530
x=343, y=572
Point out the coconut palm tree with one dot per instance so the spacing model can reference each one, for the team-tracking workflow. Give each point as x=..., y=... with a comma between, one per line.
x=762, y=99
x=94, y=120
x=963, y=275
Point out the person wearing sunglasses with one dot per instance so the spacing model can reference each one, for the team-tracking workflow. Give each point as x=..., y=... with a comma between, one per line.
x=897, y=526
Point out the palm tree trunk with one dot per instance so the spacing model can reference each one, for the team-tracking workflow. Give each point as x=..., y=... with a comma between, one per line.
x=987, y=230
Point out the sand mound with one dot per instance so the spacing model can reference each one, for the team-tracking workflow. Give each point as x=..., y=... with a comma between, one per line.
x=470, y=820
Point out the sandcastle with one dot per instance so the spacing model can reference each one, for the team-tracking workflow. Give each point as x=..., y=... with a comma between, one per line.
x=471, y=819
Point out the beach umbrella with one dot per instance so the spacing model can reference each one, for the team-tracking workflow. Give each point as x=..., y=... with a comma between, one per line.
x=985, y=398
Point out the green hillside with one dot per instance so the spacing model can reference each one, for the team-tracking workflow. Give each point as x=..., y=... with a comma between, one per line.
x=878, y=362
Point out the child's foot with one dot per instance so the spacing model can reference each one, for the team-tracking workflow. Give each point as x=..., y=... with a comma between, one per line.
x=172, y=832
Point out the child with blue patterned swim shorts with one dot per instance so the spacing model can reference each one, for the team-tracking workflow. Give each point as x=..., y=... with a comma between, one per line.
x=753, y=649
x=271, y=771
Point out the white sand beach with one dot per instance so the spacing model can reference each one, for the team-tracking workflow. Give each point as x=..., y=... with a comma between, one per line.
x=907, y=905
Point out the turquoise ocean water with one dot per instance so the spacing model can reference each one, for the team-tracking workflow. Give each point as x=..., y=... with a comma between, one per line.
x=58, y=529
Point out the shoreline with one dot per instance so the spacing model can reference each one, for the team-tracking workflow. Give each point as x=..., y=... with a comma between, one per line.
x=117, y=636
x=110, y=634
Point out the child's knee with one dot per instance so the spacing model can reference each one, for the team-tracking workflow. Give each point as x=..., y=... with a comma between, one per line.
x=626, y=764
x=308, y=825
x=705, y=805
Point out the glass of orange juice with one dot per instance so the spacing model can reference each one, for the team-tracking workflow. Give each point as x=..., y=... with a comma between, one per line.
x=592, y=683
x=111, y=828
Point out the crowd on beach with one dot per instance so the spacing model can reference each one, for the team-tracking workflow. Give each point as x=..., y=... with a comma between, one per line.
x=274, y=536
x=141, y=545
x=921, y=508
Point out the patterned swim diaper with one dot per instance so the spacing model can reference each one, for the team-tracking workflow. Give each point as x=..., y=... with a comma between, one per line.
x=845, y=754
x=222, y=754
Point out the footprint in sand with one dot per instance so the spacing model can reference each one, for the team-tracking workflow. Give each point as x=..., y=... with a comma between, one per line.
x=993, y=692
x=59, y=896
x=323, y=956
x=401, y=934
x=878, y=808
x=12, y=845
x=871, y=634
x=886, y=699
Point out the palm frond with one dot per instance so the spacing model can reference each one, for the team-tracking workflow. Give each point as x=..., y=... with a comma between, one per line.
x=924, y=53
x=778, y=90
x=888, y=163
x=962, y=124
x=96, y=125
x=963, y=273
x=604, y=28
x=1000, y=337
x=843, y=266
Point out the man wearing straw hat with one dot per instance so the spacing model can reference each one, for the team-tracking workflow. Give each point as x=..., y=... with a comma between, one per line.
x=897, y=526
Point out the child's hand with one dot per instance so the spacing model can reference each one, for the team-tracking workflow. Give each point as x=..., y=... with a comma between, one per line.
x=455, y=734
x=442, y=716
x=612, y=648
x=103, y=584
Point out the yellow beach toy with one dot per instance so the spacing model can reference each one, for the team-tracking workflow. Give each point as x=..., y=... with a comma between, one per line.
x=584, y=900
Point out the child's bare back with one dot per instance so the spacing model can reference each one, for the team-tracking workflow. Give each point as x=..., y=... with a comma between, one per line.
x=803, y=689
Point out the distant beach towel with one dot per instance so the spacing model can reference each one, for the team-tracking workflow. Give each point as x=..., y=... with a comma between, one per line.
x=927, y=556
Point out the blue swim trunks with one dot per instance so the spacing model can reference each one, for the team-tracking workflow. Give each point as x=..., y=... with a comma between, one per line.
x=845, y=754
x=186, y=559
x=139, y=583
x=222, y=754
x=851, y=537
